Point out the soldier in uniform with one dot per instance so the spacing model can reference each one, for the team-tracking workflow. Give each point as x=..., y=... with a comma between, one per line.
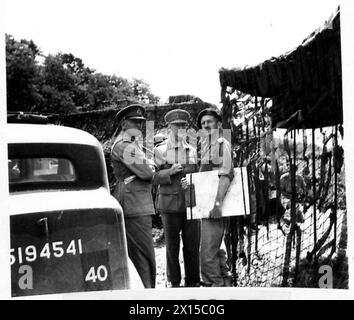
x=216, y=154
x=174, y=158
x=134, y=174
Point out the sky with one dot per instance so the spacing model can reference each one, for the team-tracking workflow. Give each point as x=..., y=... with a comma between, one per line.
x=177, y=47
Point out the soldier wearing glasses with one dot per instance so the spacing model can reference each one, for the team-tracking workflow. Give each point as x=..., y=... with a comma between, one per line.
x=174, y=158
x=134, y=174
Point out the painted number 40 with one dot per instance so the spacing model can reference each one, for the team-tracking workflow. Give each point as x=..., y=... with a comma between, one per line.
x=99, y=274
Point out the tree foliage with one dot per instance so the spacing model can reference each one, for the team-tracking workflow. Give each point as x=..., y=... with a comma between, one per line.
x=22, y=74
x=61, y=83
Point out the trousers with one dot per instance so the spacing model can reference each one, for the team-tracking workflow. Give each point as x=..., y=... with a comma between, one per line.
x=212, y=232
x=141, y=249
x=174, y=225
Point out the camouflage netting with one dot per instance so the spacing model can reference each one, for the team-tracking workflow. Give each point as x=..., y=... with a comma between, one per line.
x=286, y=120
x=305, y=84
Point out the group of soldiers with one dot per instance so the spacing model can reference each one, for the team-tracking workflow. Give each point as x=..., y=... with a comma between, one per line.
x=137, y=172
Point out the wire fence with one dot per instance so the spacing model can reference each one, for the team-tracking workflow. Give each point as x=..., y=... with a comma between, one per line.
x=262, y=265
x=298, y=222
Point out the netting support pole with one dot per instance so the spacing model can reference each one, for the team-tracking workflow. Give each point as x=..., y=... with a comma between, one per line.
x=298, y=251
x=259, y=128
x=256, y=220
x=314, y=190
x=247, y=131
x=335, y=160
x=235, y=237
x=293, y=193
x=254, y=128
x=262, y=113
x=287, y=258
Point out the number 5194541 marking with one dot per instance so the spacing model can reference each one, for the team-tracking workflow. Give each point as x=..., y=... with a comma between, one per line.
x=49, y=250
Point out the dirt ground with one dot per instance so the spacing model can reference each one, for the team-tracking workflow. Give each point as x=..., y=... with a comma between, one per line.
x=160, y=256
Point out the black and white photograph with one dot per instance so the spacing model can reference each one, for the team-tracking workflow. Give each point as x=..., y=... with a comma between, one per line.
x=175, y=149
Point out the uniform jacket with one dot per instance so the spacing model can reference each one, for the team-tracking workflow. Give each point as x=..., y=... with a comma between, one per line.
x=170, y=195
x=216, y=154
x=134, y=173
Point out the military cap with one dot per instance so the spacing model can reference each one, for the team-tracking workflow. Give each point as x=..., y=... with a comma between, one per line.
x=177, y=116
x=134, y=112
x=208, y=112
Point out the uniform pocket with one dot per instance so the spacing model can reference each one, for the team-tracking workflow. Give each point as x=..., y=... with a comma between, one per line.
x=137, y=185
x=138, y=199
x=170, y=201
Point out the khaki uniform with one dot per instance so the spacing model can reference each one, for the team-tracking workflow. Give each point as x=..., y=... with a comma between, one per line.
x=216, y=154
x=134, y=173
x=170, y=196
x=172, y=206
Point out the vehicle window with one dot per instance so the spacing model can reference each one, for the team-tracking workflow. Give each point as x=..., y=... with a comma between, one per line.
x=32, y=170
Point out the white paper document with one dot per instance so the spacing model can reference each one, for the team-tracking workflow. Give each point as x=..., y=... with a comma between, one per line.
x=236, y=202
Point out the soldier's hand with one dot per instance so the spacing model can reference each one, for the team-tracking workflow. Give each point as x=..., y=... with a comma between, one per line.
x=216, y=212
x=175, y=169
x=184, y=183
